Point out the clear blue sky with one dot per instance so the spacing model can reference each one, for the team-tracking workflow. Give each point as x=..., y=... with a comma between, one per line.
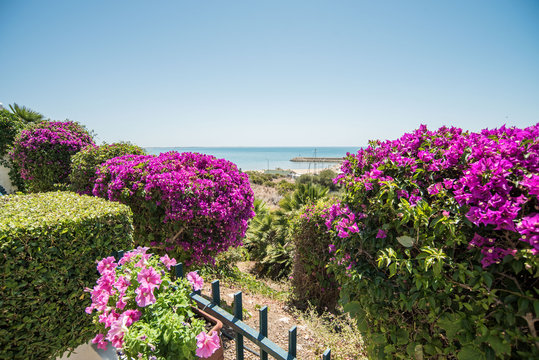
x=271, y=73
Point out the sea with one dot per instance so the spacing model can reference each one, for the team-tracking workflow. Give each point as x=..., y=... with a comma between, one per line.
x=266, y=158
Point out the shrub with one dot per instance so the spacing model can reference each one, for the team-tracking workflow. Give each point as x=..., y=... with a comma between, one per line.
x=191, y=205
x=444, y=263
x=84, y=164
x=10, y=126
x=324, y=179
x=43, y=153
x=311, y=282
x=49, y=243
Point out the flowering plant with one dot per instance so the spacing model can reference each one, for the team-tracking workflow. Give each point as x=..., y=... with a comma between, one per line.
x=144, y=313
x=191, y=205
x=43, y=152
x=436, y=243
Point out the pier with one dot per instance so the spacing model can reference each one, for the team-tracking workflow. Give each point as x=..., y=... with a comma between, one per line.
x=317, y=159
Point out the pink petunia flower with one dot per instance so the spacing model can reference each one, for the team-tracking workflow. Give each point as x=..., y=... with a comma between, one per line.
x=107, y=264
x=206, y=344
x=196, y=280
x=149, y=277
x=99, y=340
x=144, y=296
x=168, y=262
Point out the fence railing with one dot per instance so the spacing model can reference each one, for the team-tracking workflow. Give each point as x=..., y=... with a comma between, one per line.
x=235, y=321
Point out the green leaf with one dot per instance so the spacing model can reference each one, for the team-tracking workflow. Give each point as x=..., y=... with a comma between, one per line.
x=406, y=241
x=451, y=324
x=499, y=346
x=470, y=352
x=353, y=308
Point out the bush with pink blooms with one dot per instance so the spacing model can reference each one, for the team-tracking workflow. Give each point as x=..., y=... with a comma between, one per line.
x=42, y=153
x=192, y=206
x=145, y=314
x=436, y=243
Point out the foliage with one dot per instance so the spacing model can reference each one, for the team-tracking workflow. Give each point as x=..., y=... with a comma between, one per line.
x=84, y=164
x=48, y=243
x=43, y=153
x=26, y=115
x=268, y=239
x=267, y=243
x=10, y=126
x=260, y=178
x=142, y=311
x=324, y=179
x=304, y=194
x=311, y=282
x=437, y=250
x=191, y=205
x=284, y=187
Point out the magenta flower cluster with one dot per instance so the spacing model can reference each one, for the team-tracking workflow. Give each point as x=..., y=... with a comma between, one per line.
x=493, y=174
x=201, y=204
x=45, y=150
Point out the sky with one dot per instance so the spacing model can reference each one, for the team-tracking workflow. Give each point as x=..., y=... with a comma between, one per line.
x=271, y=73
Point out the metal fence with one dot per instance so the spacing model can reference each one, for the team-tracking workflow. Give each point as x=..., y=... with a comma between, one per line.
x=235, y=321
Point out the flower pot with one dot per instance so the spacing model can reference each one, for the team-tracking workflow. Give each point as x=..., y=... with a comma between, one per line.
x=219, y=354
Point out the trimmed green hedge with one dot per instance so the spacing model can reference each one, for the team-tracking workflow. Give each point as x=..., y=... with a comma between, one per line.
x=84, y=164
x=49, y=243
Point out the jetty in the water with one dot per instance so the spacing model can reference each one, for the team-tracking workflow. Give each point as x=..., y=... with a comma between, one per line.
x=317, y=159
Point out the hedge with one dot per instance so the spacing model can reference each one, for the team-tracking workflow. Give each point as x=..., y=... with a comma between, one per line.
x=49, y=243
x=311, y=282
x=84, y=164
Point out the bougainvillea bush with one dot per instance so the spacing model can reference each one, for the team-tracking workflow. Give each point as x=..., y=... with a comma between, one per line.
x=437, y=243
x=143, y=313
x=43, y=153
x=84, y=164
x=193, y=206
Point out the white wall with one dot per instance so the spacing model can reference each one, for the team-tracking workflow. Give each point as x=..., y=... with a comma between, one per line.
x=5, y=181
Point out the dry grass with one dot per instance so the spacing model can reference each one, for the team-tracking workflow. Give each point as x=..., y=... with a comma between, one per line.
x=337, y=332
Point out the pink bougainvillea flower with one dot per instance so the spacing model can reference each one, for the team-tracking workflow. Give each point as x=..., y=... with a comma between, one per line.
x=331, y=248
x=206, y=344
x=149, y=277
x=99, y=340
x=168, y=262
x=144, y=296
x=381, y=234
x=107, y=264
x=196, y=280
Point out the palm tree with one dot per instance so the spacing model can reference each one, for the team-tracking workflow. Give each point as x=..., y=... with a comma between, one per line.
x=27, y=115
x=304, y=194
